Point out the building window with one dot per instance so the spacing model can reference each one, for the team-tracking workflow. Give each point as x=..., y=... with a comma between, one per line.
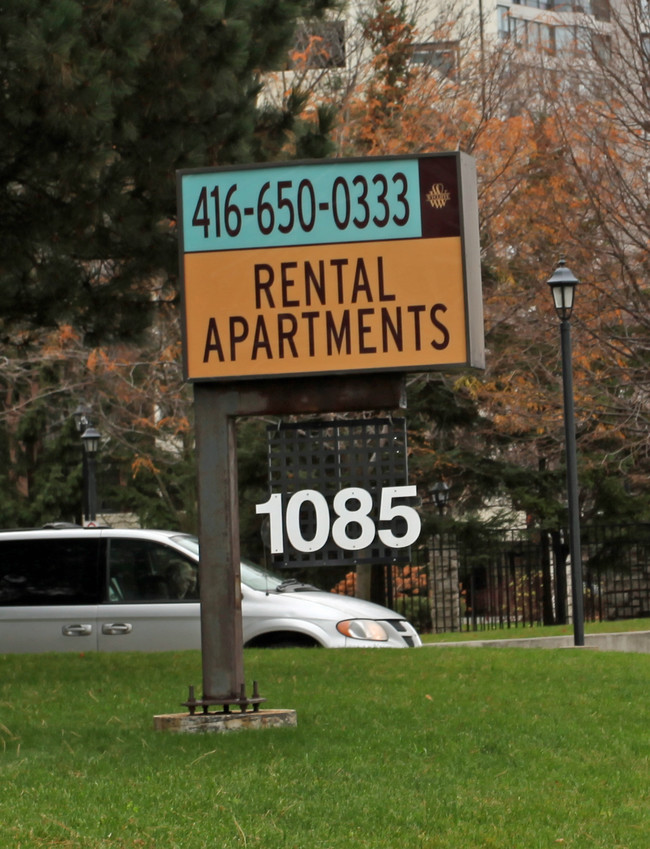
x=531, y=34
x=319, y=44
x=601, y=46
x=535, y=4
x=503, y=22
x=539, y=36
x=579, y=39
x=564, y=38
x=601, y=10
x=441, y=55
x=584, y=39
x=645, y=43
x=582, y=6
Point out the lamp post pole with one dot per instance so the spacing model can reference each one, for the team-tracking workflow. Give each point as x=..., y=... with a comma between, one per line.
x=90, y=439
x=563, y=283
x=444, y=599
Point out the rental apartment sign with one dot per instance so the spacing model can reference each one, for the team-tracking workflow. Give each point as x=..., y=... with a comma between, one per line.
x=330, y=266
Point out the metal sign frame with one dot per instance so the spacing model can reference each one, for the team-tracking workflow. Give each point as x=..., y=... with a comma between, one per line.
x=328, y=456
x=218, y=405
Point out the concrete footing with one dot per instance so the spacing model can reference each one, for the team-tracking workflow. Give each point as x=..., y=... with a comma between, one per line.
x=202, y=723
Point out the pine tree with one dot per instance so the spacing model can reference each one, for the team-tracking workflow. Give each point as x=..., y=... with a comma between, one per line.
x=101, y=103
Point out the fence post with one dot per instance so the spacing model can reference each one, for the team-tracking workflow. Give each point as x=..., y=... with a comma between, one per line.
x=444, y=590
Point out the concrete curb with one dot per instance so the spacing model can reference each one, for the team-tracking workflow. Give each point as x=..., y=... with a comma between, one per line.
x=629, y=641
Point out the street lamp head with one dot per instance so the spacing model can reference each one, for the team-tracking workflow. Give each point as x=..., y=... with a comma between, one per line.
x=91, y=438
x=81, y=417
x=563, y=286
x=440, y=494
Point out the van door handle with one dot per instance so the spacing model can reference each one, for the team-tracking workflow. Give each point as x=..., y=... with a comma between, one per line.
x=77, y=630
x=114, y=628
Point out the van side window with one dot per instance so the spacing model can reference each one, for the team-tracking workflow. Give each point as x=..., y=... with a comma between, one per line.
x=49, y=571
x=142, y=570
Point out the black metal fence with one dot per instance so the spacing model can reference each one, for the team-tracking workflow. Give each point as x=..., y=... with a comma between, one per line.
x=478, y=579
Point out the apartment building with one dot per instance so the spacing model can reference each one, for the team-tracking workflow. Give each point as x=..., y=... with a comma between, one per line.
x=549, y=27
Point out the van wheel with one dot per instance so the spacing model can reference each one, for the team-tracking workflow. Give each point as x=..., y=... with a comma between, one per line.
x=282, y=640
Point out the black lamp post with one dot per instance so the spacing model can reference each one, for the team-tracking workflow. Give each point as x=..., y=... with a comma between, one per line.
x=440, y=495
x=90, y=439
x=81, y=418
x=443, y=582
x=563, y=285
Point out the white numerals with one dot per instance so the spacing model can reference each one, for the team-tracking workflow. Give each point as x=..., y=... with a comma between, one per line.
x=388, y=511
x=351, y=507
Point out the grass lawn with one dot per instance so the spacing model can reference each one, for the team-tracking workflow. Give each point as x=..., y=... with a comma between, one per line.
x=508, y=748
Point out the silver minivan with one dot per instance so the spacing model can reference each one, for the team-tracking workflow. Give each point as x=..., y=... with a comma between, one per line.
x=101, y=589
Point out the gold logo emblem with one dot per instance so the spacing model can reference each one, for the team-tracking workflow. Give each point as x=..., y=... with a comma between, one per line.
x=438, y=196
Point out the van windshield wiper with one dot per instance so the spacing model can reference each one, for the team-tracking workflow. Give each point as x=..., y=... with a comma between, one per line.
x=292, y=585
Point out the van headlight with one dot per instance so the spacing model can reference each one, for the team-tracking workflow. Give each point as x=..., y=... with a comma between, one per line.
x=362, y=629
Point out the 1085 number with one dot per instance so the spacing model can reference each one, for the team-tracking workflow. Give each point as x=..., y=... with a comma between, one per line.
x=351, y=507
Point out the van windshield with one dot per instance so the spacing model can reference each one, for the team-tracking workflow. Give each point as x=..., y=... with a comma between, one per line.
x=252, y=575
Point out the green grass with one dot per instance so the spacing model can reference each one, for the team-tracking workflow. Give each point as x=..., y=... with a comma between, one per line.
x=538, y=631
x=499, y=748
